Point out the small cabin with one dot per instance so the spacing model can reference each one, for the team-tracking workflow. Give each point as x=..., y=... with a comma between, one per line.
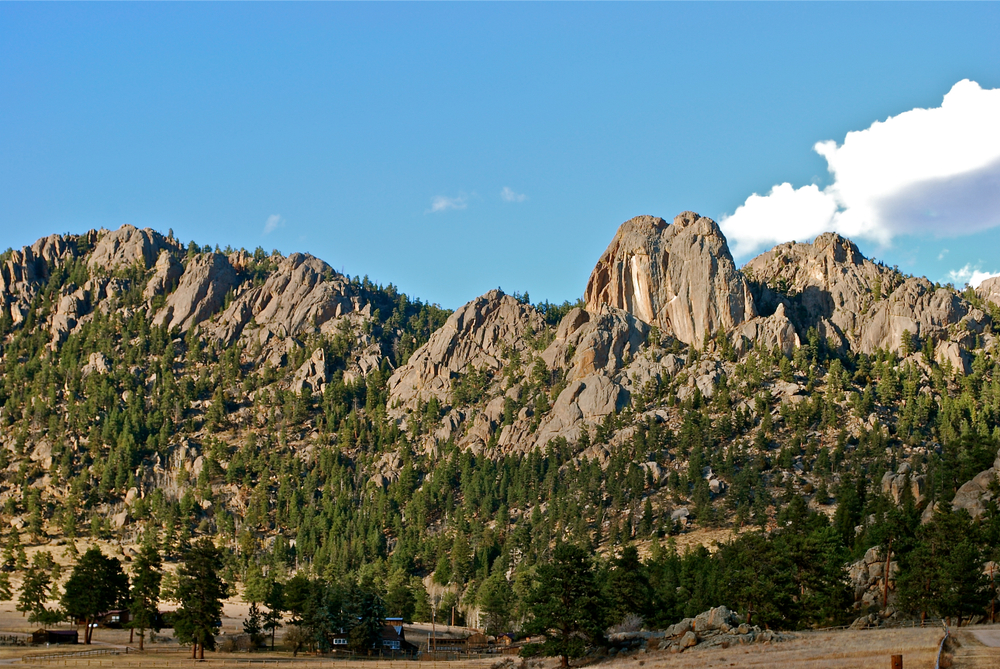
x=47, y=637
x=394, y=638
x=476, y=641
x=113, y=619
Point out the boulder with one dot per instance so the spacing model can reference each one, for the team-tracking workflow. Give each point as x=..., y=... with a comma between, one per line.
x=681, y=628
x=719, y=618
x=974, y=495
x=680, y=277
x=679, y=513
x=201, y=292
x=98, y=363
x=312, y=373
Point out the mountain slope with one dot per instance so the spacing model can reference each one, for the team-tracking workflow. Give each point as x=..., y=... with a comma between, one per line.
x=305, y=418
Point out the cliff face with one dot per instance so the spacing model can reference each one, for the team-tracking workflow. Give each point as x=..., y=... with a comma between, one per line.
x=856, y=303
x=680, y=277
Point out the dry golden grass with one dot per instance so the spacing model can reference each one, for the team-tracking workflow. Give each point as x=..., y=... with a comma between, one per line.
x=839, y=649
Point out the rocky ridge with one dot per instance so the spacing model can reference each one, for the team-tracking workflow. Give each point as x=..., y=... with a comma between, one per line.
x=803, y=355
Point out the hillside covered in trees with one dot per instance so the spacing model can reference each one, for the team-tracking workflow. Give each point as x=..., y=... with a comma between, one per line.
x=815, y=408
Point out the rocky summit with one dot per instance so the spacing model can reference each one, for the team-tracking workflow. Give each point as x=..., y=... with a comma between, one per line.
x=309, y=420
x=678, y=276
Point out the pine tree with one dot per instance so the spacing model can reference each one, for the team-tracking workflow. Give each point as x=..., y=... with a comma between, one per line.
x=252, y=625
x=566, y=605
x=146, y=579
x=200, y=591
x=96, y=585
x=275, y=603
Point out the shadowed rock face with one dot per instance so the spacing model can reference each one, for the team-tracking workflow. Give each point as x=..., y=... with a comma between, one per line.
x=827, y=280
x=680, y=277
x=830, y=285
x=201, y=292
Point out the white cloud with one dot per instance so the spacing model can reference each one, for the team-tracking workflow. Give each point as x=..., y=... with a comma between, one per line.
x=931, y=171
x=509, y=195
x=442, y=203
x=970, y=275
x=943, y=253
x=274, y=221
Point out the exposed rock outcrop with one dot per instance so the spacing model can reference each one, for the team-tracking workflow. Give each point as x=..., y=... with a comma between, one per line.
x=989, y=290
x=868, y=576
x=593, y=349
x=98, y=363
x=479, y=335
x=303, y=294
x=680, y=277
x=312, y=373
x=853, y=301
x=128, y=245
x=716, y=627
x=918, y=308
x=201, y=292
x=894, y=484
x=23, y=273
x=767, y=331
x=974, y=495
x=165, y=275
x=587, y=343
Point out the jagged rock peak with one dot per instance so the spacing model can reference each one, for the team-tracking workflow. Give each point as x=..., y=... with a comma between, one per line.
x=835, y=288
x=201, y=292
x=680, y=277
x=128, y=245
x=302, y=294
x=989, y=290
x=477, y=336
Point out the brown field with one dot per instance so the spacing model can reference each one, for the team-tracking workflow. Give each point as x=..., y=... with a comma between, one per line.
x=838, y=649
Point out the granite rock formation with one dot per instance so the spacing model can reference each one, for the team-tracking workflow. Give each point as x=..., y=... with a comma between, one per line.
x=679, y=277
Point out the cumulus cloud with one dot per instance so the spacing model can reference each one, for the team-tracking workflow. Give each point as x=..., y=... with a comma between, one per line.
x=274, y=221
x=970, y=275
x=931, y=171
x=442, y=203
x=508, y=195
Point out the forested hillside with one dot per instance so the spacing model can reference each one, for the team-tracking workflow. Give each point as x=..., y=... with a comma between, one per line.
x=807, y=409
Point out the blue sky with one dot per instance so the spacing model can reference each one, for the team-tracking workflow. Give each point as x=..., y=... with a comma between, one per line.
x=453, y=148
